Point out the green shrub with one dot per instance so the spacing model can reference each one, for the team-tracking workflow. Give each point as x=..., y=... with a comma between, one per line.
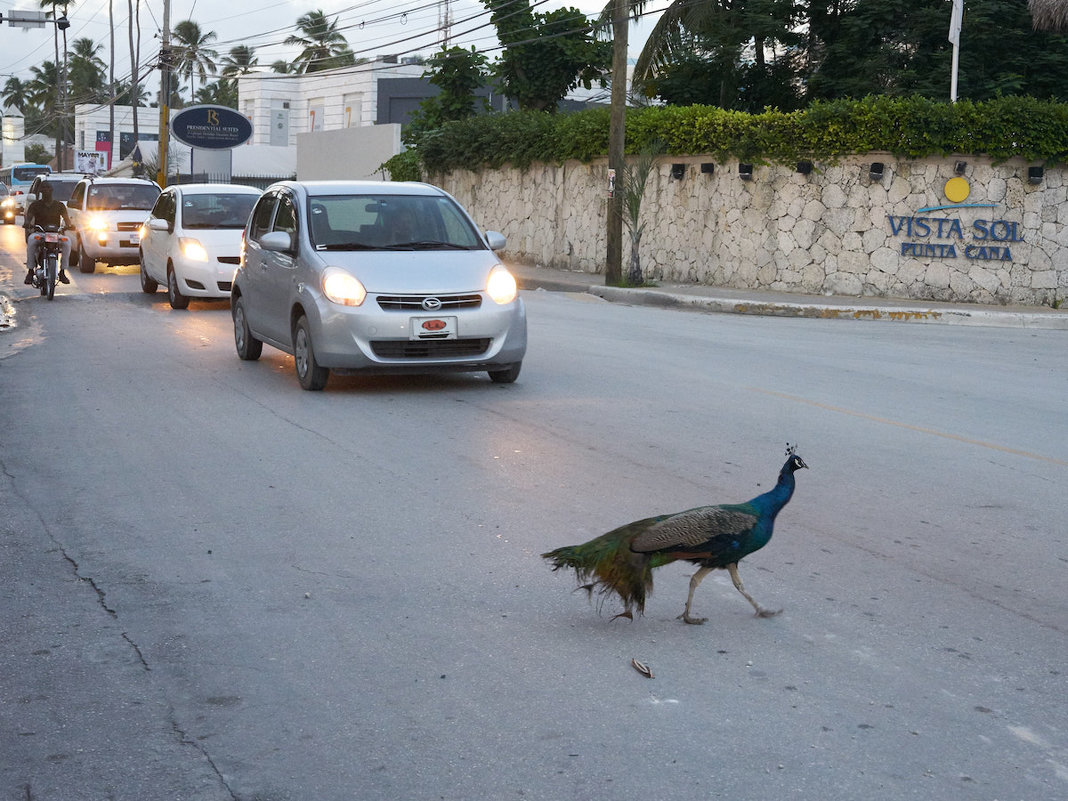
x=910, y=127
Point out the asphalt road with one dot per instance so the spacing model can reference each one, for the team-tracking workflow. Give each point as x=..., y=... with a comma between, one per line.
x=216, y=586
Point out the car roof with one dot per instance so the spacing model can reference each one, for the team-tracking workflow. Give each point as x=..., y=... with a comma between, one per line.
x=321, y=188
x=145, y=181
x=61, y=177
x=205, y=189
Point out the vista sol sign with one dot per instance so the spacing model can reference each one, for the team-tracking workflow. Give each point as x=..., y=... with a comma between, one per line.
x=983, y=240
x=990, y=240
x=211, y=127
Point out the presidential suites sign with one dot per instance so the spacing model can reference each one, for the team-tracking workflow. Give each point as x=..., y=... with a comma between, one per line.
x=929, y=236
x=211, y=127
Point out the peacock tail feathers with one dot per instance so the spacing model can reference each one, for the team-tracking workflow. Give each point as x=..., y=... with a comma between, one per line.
x=607, y=564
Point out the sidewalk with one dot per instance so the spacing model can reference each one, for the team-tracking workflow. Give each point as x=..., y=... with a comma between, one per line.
x=788, y=304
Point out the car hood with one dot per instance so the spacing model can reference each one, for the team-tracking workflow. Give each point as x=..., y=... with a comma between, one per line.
x=221, y=239
x=415, y=272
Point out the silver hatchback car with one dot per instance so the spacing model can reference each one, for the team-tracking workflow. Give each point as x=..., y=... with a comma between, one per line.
x=367, y=276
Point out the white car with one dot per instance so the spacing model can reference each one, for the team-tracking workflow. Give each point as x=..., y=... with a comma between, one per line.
x=191, y=242
x=107, y=214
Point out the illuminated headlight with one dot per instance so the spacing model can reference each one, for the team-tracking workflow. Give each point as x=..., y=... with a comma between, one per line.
x=192, y=249
x=341, y=287
x=98, y=224
x=501, y=286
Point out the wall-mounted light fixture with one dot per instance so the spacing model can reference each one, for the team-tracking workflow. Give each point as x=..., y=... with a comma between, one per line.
x=678, y=171
x=1034, y=175
x=745, y=172
x=707, y=167
x=804, y=166
x=875, y=171
x=960, y=167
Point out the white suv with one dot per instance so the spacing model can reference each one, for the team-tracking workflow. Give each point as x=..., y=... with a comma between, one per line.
x=107, y=214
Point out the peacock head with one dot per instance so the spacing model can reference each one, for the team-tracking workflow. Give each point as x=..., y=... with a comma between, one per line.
x=793, y=461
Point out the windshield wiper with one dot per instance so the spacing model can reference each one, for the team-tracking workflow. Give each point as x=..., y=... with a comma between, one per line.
x=427, y=244
x=346, y=246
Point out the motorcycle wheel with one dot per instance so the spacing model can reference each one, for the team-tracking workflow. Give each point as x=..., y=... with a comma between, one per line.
x=50, y=276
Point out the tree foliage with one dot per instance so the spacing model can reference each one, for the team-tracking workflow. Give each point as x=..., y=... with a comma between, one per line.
x=458, y=74
x=788, y=53
x=545, y=55
x=323, y=46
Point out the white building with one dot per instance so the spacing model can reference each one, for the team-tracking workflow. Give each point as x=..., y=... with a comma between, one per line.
x=283, y=106
x=12, y=133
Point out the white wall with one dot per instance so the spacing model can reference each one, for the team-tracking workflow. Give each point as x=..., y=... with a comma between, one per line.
x=349, y=153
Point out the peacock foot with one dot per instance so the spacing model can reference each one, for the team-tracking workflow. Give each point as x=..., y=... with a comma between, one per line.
x=696, y=621
x=762, y=612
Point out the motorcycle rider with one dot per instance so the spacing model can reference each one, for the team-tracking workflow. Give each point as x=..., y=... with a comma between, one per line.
x=44, y=212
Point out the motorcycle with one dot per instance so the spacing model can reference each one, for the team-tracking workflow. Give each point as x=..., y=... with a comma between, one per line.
x=49, y=251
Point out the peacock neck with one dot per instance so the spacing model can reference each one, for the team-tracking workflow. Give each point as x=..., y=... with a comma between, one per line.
x=778, y=496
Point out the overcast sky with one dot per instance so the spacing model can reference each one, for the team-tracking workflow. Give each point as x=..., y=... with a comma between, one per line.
x=372, y=27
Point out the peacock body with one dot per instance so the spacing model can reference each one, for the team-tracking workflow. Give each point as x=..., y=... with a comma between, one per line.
x=712, y=537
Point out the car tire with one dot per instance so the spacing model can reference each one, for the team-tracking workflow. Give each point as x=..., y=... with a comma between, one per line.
x=85, y=264
x=311, y=375
x=506, y=375
x=174, y=292
x=148, y=285
x=248, y=347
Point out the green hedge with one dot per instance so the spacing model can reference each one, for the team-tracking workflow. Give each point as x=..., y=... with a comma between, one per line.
x=912, y=127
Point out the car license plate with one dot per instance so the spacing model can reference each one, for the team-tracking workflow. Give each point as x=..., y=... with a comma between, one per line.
x=433, y=328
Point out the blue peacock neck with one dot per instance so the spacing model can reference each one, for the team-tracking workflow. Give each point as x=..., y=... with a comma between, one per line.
x=778, y=496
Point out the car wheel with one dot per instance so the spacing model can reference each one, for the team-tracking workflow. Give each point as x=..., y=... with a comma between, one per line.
x=85, y=264
x=148, y=285
x=174, y=294
x=310, y=374
x=248, y=347
x=506, y=375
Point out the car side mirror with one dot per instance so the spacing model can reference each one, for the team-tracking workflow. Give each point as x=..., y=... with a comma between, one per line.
x=495, y=240
x=158, y=224
x=277, y=242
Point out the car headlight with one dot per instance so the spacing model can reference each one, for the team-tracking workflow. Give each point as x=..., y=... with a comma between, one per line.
x=192, y=249
x=501, y=286
x=98, y=224
x=341, y=287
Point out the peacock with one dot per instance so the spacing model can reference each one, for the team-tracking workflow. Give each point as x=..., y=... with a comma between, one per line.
x=622, y=561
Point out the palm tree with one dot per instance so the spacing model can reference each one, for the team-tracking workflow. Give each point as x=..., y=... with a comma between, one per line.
x=43, y=91
x=240, y=61
x=16, y=93
x=323, y=45
x=1049, y=15
x=87, y=72
x=193, y=54
x=284, y=67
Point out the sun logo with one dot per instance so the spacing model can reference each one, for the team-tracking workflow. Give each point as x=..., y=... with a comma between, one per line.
x=957, y=189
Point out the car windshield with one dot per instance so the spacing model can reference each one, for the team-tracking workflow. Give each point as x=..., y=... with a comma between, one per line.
x=62, y=190
x=122, y=196
x=390, y=222
x=217, y=210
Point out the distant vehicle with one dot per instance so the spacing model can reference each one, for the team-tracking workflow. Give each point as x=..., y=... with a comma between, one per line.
x=18, y=178
x=107, y=214
x=191, y=242
x=377, y=277
x=7, y=206
x=62, y=184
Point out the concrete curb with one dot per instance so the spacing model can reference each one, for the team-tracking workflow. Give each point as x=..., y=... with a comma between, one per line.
x=950, y=315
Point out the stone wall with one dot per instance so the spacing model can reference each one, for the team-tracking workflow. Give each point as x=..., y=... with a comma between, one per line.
x=836, y=230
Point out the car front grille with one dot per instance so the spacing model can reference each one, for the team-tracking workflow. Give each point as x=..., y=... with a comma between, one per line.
x=429, y=348
x=127, y=226
x=225, y=286
x=415, y=302
x=230, y=259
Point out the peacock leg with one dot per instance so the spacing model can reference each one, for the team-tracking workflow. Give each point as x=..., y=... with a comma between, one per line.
x=761, y=611
x=694, y=581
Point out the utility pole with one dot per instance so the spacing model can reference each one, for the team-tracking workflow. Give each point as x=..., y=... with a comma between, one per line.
x=164, y=94
x=613, y=270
